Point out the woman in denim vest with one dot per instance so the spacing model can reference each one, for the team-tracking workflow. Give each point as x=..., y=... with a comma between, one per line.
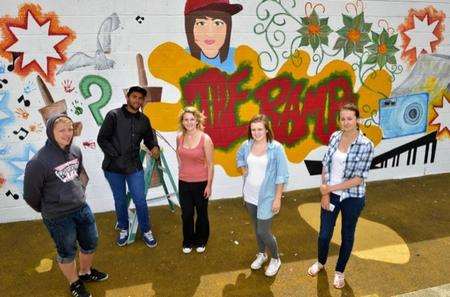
x=263, y=164
x=346, y=166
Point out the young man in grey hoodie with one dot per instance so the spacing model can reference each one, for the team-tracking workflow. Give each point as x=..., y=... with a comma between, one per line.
x=54, y=187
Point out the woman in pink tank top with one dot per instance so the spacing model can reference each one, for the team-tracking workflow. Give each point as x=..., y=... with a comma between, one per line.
x=196, y=170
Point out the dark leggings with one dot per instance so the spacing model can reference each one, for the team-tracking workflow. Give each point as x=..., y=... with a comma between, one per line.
x=193, y=201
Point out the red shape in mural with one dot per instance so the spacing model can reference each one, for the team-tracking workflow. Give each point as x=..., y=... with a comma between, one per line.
x=290, y=104
x=37, y=39
x=421, y=32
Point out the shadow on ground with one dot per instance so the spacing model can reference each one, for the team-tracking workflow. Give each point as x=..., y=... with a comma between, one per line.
x=416, y=209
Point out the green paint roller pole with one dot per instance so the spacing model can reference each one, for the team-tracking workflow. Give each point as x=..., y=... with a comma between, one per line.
x=106, y=93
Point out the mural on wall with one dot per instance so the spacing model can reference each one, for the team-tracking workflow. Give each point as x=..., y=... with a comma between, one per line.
x=34, y=41
x=301, y=63
x=99, y=60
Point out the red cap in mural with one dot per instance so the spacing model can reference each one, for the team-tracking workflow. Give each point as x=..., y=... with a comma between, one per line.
x=220, y=5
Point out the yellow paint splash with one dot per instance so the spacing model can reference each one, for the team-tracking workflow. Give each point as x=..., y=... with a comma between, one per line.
x=377, y=242
x=170, y=62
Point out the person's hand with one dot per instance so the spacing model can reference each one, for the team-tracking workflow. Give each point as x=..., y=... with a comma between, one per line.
x=155, y=152
x=276, y=206
x=324, y=189
x=325, y=202
x=207, y=192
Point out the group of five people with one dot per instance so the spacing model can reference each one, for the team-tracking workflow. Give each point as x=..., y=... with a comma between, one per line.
x=54, y=185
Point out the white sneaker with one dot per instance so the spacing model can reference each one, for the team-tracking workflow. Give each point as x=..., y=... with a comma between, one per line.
x=274, y=266
x=314, y=269
x=200, y=249
x=187, y=250
x=339, y=280
x=261, y=258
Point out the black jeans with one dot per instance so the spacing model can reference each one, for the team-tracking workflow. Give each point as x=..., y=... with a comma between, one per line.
x=192, y=200
x=351, y=209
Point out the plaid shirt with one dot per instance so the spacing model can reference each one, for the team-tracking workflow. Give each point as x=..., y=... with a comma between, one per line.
x=359, y=158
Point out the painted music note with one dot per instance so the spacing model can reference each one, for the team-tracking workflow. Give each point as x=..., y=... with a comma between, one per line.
x=11, y=66
x=15, y=196
x=22, y=132
x=26, y=102
x=3, y=82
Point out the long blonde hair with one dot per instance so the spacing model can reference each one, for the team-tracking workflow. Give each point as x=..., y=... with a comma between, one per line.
x=200, y=117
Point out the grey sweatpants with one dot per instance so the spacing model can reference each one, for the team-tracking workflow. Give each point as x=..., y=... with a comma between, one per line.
x=264, y=236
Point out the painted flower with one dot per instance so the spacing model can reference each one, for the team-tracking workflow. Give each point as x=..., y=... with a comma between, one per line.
x=314, y=31
x=354, y=35
x=383, y=49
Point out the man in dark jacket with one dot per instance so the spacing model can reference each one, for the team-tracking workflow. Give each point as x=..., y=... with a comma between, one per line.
x=53, y=186
x=120, y=138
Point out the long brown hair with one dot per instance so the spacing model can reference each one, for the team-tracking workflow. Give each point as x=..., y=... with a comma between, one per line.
x=189, y=22
x=261, y=118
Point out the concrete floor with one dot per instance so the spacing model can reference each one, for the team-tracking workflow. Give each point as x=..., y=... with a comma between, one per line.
x=402, y=245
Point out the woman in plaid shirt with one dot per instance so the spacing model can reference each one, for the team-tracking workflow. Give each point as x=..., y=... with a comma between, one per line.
x=346, y=166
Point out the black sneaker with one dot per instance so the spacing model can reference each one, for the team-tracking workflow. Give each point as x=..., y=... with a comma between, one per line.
x=95, y=276
x=79, y=290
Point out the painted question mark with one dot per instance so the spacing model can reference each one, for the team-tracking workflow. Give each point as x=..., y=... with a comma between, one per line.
x=106, y=89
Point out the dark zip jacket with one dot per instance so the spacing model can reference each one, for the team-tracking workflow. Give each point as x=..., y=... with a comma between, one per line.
x=52, y=182
x=120, y=138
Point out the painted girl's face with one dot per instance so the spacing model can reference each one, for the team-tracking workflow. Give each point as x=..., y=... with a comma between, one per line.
x=259, y=132
x=348, y=120
x=209, y=35
x=189, y=122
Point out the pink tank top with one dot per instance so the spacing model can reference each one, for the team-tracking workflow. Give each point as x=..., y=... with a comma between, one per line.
x=192, y=162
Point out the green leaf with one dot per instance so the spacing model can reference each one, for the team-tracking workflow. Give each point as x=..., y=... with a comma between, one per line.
x=358, y=20
x=314, y=18
x=340, y=42
x=323, y=21
x=364, y=38
x=384, y=37
x=303, y=30
x=372, y=59
x=304, y=41
x=347, y=20
x=305, y=21
x=323, y=39
x=393, y=39
x=373, y=48
x=391, y=60
x=381, y=61
x=375, y=37
x=359, y=48
x=348, y=49
x=366, y=27
x=315, y=41
x=342, y=32
x=325, y=29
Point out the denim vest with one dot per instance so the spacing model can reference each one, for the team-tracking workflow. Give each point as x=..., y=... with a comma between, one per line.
x=276, y=173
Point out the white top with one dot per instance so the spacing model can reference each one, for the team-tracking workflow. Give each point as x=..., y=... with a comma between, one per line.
x=337, y=169
x=256, y=171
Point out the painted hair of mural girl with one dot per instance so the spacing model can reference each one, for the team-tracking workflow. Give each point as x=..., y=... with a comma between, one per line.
x=346, y=166
x=196, y=171
x=208, y=30
x=263, y=163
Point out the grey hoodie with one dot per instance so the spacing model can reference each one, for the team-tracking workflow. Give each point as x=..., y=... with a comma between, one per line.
x=52, y=183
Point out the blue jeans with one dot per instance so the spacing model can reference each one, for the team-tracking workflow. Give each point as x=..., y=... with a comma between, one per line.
x=351, y=209
x=136, y=186
x=67, y=230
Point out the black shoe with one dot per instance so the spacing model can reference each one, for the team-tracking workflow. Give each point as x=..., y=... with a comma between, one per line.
x=95, y=276
x=79, y=290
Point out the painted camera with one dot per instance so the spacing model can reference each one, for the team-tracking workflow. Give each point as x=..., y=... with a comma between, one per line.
x=404, y=115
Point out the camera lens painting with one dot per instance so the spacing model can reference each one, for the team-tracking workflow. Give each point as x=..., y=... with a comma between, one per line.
x=404, y=115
